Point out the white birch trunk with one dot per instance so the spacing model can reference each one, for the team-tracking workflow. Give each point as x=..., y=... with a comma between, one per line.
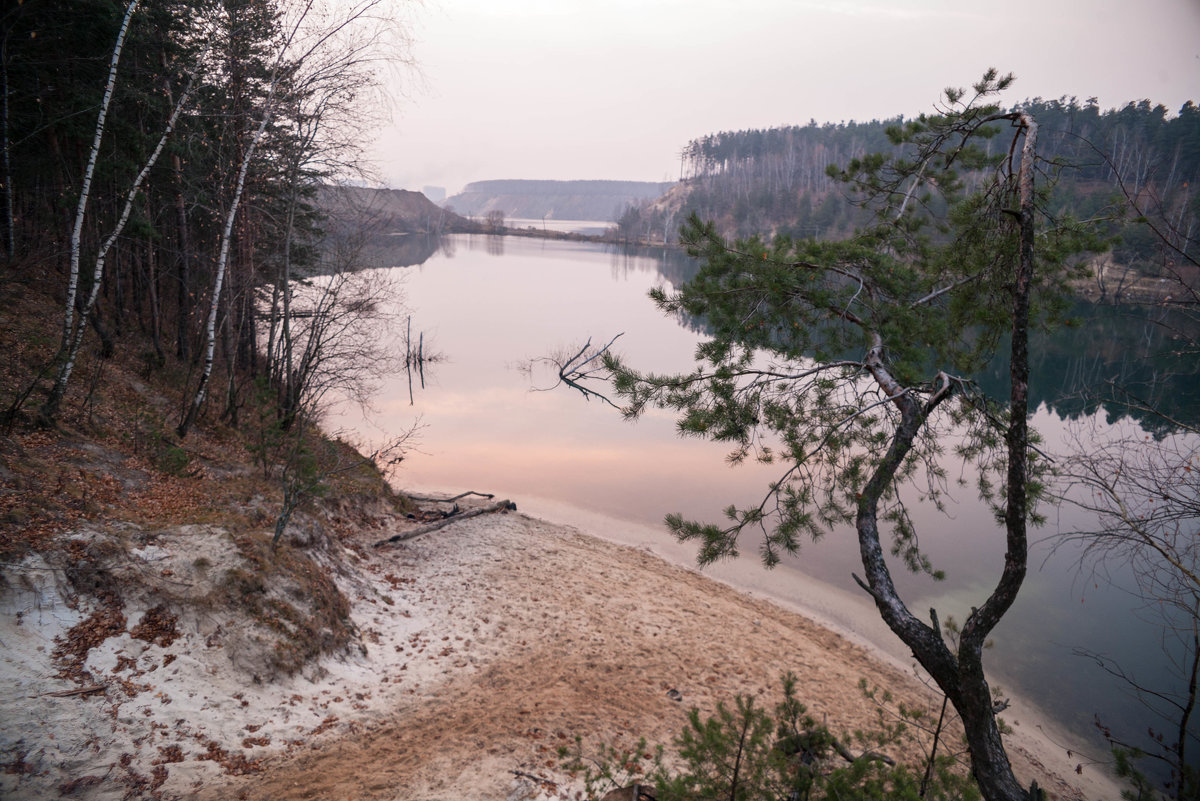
x=286, y=344
x=210, y=329
x=85, y=189
x=76, y=331
x=223, y=259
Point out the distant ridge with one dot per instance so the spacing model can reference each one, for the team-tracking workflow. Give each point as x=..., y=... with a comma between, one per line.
x=389, y=210
x=553, y=200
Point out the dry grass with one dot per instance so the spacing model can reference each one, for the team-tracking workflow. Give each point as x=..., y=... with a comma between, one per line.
x=293, y=597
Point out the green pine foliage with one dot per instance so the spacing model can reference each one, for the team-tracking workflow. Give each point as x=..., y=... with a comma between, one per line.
x=747, y=753
x=782, y=377
x=847, y=363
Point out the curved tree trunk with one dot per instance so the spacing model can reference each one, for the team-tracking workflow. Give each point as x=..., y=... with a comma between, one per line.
x=960, y=675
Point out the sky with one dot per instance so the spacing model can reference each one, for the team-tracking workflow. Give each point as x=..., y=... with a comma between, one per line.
x=614, y=89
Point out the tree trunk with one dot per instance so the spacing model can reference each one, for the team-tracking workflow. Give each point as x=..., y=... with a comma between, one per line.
x=155, y=306
x=227, y=233
x=49, y=411
x=210, y=329
x=182, y=240
x=961, y=675
x=10, y=234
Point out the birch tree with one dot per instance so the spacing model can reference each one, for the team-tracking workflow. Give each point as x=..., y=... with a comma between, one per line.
x=74, y=332
x=306, y=41
x=49, y=411
x=210, y=327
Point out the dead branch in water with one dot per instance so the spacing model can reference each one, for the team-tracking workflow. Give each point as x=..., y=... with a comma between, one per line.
x=572, y=370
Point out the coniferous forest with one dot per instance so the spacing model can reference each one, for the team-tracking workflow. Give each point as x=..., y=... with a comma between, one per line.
x=776, y=181
x=160, y=153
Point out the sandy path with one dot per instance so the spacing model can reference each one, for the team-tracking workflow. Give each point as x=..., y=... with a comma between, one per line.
x=518, y=634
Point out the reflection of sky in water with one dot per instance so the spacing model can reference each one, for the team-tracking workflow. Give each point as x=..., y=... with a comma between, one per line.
x=488, y=305
x=586, y=227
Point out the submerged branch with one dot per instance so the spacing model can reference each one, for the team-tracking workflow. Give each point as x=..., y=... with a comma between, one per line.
x=574, y=370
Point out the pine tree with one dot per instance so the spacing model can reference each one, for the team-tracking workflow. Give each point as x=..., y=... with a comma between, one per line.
x=844, y=363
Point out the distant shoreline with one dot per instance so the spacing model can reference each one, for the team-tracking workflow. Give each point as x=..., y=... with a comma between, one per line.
x=532, y=232
x=1137, y=292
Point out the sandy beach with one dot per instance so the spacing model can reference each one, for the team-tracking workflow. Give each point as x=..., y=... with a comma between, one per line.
x=534, y=633
x=488, y=644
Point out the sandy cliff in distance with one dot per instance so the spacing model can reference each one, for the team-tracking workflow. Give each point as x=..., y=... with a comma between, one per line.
x=389, y=211
x=553, y=200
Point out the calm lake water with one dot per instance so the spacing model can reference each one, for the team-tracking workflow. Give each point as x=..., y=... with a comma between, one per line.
x=488, y=303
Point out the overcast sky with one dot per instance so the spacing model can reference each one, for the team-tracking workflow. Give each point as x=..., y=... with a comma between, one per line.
x=613, y=89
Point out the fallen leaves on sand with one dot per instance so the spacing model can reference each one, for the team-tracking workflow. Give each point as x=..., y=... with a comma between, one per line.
x=72, y=649
x=157, y=626
x=235, y=764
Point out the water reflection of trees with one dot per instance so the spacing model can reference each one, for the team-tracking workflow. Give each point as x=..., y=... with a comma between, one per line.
x=410, y=250
x=1123, y=360
x=402, y=250
x=1119, y=359
x=672, y=264
x=491, y=244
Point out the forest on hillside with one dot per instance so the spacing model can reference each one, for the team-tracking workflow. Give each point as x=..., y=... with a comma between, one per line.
x=161, y=164
x=777, y=181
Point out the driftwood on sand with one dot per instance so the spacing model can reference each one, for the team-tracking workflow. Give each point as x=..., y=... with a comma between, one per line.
x=500, y=506
x=487, y=495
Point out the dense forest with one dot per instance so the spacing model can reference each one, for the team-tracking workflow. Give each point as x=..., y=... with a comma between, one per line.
x=777, y=180
x=161, y=164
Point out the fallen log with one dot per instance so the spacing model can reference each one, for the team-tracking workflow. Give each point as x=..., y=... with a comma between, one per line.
x=501, y=506
x=487, y=495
